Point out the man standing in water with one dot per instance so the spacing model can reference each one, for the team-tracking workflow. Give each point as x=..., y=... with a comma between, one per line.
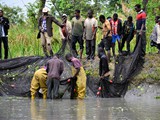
x=55, y=68
x=79, y=73
x=45, y=28
x=39, y=81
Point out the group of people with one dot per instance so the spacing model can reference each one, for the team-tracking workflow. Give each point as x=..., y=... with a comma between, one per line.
x=80, y=29
x=48, y=78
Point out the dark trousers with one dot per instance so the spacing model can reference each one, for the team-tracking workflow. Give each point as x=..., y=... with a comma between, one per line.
x=5, y=43
x=125, y=39
x=76, y=39
x=90, y=48
x=53, y=88
x=143, y=42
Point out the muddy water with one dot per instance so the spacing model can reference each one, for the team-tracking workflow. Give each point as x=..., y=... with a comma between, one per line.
x=18, y=108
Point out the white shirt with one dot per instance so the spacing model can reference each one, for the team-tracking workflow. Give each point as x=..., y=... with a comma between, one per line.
x=158, y=34
x=90, y=24
x=2, y=30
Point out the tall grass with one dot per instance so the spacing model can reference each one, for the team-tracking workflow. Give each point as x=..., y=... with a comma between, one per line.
x=23, y=41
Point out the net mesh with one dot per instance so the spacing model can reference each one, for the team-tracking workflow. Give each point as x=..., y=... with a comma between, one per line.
x=16, y=75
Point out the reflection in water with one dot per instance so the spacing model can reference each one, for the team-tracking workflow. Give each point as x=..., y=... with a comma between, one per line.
x=38, y=110
x=88, y=109
x=81, y=110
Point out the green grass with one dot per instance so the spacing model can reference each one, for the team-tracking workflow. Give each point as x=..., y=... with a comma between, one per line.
x=23, y=41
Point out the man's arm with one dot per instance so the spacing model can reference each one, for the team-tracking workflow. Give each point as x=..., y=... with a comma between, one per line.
x=95, y=29
x=47, y=69
x=61, y=68
x=77, y=71
x=6, y=23
x=105, y=68
x=107, y=23
x=57, y=22
x=140, y=33
x=39, y=24
x=61, y=34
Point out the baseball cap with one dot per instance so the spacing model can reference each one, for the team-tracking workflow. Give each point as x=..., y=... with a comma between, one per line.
x=64, y=15
x=45, y=9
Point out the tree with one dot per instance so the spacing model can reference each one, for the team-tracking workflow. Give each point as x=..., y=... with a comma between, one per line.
x=14, y=14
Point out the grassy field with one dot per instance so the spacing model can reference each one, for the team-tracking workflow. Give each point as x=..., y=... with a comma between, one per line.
x=23, y=41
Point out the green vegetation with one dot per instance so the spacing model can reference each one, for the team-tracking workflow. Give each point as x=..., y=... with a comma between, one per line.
x=23, y=31
x=150, y=71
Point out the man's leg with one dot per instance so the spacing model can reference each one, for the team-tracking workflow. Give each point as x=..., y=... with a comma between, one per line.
x=88, y=49
x=0, y=48
x=48, y=43
x=80, y=41
x=119, y=44
x=34, y=85
x=143, y=37
x=128, y=46
x=93, y=48
x=49, y=88
x=73, y=43
x=56, y=88
x=5, y=41
x=43, y=43
x=113, y=49
x=123, y=41
x=43, y=86
x=158, y=47
x=108, y=45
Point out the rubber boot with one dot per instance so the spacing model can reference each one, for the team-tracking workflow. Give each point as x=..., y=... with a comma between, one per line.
x=44, y=96
x=33, y=97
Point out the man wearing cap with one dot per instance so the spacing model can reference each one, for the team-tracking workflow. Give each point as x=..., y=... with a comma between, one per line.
x=45, y=28
x=65, y=33
x=4, y=26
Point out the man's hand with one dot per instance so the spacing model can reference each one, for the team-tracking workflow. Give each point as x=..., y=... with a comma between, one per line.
x=84, y=36
x=42, y=30
x=74, y=77
x=62, y=25
x=140, y=33
x=93, y=36
x=101, y=77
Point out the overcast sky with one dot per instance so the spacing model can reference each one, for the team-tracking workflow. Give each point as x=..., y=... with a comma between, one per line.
x=19, y=3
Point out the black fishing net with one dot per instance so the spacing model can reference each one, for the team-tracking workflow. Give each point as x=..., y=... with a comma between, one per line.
x=16, y=75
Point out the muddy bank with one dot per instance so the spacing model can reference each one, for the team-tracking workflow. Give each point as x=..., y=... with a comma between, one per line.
x=145, y=84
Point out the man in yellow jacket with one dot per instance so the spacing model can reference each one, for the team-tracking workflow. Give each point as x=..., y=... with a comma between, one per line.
x=79, y=73
x=39, y=81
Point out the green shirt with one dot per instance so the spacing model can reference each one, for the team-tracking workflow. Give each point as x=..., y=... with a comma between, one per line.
x=77, y=26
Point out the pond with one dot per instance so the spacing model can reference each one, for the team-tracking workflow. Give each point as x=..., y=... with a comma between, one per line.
x=21, y=108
